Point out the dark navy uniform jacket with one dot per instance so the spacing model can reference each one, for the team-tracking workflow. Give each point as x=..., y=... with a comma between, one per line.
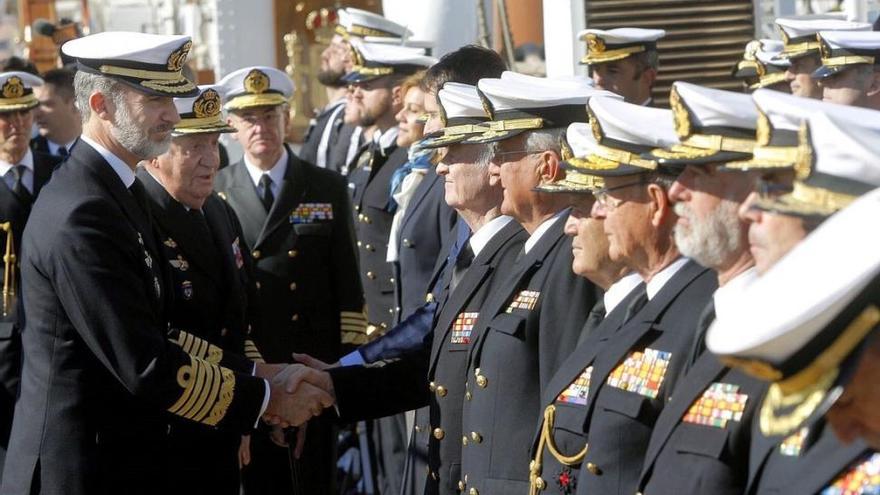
x=214, y=298
x=369, y=184
x=15, y=210
x=100, y=367
x=517, y=344
x=404, y=384
x=306, y=268
x=634, y=377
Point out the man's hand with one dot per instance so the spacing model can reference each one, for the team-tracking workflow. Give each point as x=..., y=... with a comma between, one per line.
x=296, y=374
x=244, y=451
x=268, y=371
x=296, y=396
x=313, y=362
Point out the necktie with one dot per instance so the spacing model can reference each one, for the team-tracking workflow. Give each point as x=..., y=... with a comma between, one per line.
x=638, y=301
x=62, y=151
x=594, y=319
x=703, y=324
x=201, y=225
x=19, y=188
x=268, y=198
x=462, y=262
x=140, y=195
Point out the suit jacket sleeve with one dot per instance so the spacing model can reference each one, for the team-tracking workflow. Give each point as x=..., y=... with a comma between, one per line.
x=406, y=337
x=95, y=274
x=378, y=391
x=345, y=271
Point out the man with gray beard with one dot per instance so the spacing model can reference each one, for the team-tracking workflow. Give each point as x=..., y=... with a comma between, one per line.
x=100, y=373
x=707, y=198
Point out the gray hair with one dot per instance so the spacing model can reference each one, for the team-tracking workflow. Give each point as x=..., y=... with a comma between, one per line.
x=85, y=84
x=487, y=154
x=546, y=140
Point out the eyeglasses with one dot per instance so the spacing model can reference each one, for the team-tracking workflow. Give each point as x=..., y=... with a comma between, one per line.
x=608, y=203
x=769, y=189
x=525, y=152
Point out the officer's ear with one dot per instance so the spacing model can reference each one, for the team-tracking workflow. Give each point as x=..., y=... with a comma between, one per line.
x=101, y=105
x=550, y=169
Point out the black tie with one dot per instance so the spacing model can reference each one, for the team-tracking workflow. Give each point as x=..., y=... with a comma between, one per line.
x=19, y=188
x=62, y=151
x=140, y=196
x=268, y=198
x=703, y=324
x=596, y=316
x=465, y=257
x=201, y=225
x=638, y=301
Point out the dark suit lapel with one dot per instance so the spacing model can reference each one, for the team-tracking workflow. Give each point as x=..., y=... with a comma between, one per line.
x=250, y=209
x=221, y=231
x=140, y=221
x=639, y=326
x=289, y=196
x=44, y=165
x=419, y=196
x=523, y=270
x=705, y=371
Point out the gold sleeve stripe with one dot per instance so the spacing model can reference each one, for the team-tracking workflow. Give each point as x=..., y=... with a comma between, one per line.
x=203, y=374
x=355, y=315
x=197, y=402
x=356, y=338
x=208, y=390
x=186, y=378
x=227, y=392
x=201, y=410
x=200, y=348
x=252, y=352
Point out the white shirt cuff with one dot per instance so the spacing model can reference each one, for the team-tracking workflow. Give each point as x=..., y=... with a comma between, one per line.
x=265, y=402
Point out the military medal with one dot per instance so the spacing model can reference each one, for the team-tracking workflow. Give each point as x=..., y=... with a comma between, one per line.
x=720, y=403
x=566, y=481
x=461, y=329
x=526, y=299
x=577, y=392
x=187, y=288
x=311, y=212
x=180, y=263
x=236, y=253
x=641, y=372
x=862, y=478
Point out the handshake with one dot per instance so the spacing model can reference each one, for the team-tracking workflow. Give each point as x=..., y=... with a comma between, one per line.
x=298, y=391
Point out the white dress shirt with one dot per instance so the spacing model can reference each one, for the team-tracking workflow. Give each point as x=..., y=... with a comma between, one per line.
x=276, y=173
x=539, y=232
x=619, y=290
x=659, y=280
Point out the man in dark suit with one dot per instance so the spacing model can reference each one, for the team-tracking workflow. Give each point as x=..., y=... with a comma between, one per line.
x=204, y=247
x=519, y=339
x=712, y=409
x=24, y=173
x=100, y=366
x=809, y=350
x=461, y=286
x=296, y=220
x=331, y=142
x=373, y=101
x=602, y=401
x=56, y=116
